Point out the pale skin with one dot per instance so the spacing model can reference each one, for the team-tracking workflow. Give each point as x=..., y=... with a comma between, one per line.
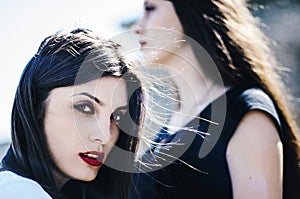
x=79, y=119
x=255, y=158
x=254, y=153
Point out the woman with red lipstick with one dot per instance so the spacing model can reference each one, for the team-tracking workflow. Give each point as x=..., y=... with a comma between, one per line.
x=76, y=115
x=232, y=134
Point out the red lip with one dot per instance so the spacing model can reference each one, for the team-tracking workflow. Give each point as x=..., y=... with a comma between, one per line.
x=92, y=158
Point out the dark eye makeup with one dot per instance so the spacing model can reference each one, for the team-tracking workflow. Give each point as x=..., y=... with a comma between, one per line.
x=149, y=8
x=118, y=114
x=85, y=107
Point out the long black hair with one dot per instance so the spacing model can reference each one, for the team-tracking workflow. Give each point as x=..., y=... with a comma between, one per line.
x=231, y=35
x=66, y=59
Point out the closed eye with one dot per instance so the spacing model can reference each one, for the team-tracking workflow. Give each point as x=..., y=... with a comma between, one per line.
x=149, y=8
x=85, y=107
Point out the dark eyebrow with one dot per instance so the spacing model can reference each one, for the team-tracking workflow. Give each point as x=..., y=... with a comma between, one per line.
x=92, y=97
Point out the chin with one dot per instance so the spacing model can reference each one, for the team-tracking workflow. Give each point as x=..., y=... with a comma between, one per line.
x=86, y=176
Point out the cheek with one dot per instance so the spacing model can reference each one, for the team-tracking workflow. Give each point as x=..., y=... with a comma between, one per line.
x=176, y=24
x=114, y=133
x=167, y=19
x=59, y=130
x=57, y=125
x=114, y=137
x=160, y=21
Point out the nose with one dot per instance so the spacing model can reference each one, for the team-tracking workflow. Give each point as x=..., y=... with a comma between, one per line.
x=137, y=29
x=101, y=133
x=138, y=26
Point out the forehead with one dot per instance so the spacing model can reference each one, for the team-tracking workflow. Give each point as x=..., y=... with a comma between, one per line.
x=111, y=91
x=102, y=84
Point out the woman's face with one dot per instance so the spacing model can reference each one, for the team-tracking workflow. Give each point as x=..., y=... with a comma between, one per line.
x=160, y=26
x=81, y=126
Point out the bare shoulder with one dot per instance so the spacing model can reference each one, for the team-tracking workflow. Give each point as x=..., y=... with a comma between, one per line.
x=258, y=127
x=254, y=157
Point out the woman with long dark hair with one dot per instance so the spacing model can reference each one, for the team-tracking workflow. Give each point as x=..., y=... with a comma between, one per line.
x=76, y=111
x=232, y=134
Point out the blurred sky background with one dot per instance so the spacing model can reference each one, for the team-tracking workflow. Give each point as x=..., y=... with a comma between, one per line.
x=25, y=23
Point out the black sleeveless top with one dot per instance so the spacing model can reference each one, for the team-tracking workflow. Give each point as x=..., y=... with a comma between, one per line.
x=193, y=165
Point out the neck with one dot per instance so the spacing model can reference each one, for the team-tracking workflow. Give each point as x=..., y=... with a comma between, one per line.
x=196, y=89
x=60, y=178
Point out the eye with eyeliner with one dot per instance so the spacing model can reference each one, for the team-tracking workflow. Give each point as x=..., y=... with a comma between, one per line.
x=85, y=107
x=118, y=115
